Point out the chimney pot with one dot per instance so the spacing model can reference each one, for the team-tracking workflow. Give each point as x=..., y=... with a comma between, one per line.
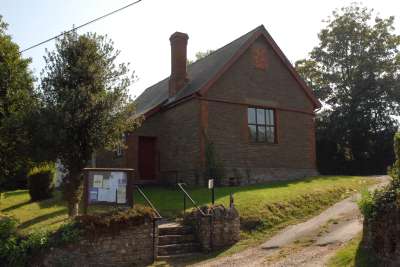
x=178, y=76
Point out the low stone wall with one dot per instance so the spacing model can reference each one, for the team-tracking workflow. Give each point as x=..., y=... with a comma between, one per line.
x=382, y=236
x=220, y=230
x=242, y=176
x=132, y=246
x=238, y=176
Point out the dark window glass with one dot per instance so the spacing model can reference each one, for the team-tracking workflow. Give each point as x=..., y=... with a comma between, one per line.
x=270, y=134
x=261, y=125
x=251, y=115
x=261, y=133
x=253, y=132
x=260, y=116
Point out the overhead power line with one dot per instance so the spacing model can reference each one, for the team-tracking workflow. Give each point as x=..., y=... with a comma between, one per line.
x=80, y=26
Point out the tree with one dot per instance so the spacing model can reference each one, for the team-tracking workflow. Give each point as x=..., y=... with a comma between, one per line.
x=199, y=55
x=17, y=102
x=355, y=71
x=86, y=104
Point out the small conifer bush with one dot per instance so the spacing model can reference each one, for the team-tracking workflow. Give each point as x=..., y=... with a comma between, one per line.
x=41, y=182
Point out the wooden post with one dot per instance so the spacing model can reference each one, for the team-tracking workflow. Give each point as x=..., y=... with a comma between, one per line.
x=85, y=191
x=129, y=189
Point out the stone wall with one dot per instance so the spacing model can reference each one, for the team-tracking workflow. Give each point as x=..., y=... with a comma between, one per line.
x=381, y=235
x=220, y=230
x=246, y=176
x=132, y=246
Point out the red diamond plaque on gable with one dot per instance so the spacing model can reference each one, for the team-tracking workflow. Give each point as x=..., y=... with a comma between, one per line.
x=260, y=57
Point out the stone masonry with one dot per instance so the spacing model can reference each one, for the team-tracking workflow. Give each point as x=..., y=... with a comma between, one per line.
x=132, y=246
x=382, y=236
x=220, y=230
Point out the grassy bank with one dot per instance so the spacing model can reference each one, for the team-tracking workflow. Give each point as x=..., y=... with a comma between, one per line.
x=262, y=207
x=353, y=255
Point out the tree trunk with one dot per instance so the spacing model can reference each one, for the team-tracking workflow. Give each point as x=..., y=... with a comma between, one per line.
x=72, y=191
x=73, y=209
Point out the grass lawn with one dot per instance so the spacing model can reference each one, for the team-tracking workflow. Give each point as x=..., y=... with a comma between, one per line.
x=353, y=255
x=262, y=207
x=48, y=214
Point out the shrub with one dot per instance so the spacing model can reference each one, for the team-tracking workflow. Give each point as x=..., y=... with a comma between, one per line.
x=8, y=226
x=214, y=168
x=41, y=182
x=386, y=199
x=366, y=203
x=113, y=221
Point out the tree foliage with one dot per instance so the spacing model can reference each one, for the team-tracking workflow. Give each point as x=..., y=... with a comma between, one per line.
x=17, y=102
x=86, y=103
x=355, y=71
x=199, y=55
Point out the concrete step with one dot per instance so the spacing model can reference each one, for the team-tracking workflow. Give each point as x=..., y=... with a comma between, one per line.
x=175, y=249
x=175, y=239
x=173, y=229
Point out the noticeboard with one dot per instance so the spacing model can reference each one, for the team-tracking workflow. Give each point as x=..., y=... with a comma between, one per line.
x=108, y=186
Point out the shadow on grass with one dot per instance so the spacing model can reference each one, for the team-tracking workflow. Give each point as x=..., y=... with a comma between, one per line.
x=14, y=193
x=42, y=218
x=17, y=206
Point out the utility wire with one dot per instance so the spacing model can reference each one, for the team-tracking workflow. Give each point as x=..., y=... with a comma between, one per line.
x=80, y=26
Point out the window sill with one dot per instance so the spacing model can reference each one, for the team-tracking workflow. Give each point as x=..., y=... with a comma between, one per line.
x=263, y=143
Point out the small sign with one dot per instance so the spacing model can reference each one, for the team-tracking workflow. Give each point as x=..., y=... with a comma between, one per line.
x=210, y=183
x=98, y=181
x=108, y=186
x=121, y=195
x=106, y=183
x=93, y=194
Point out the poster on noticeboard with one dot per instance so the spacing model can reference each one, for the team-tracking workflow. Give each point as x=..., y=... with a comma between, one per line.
x=107, y=187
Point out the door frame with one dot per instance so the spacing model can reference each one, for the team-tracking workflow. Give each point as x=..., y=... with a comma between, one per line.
x=156, y=158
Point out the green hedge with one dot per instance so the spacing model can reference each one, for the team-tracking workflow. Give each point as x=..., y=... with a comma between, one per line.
x=41, y=182
x=388, y=198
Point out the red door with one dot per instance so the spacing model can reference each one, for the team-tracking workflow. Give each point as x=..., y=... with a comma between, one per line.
x=147, y=158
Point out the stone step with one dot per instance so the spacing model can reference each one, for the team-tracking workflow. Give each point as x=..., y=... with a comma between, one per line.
x=175, y=249
x=173, y=229
x=175, y=239
x=183, y=255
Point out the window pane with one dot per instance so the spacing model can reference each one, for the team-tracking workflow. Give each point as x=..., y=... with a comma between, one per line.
x=260, y=116
x=253, y=133
x=261, y=134
x=268, y=116
x=251, y=115
x=270, y=134
x=272, y=118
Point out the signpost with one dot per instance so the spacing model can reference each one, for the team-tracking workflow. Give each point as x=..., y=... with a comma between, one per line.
x=211, y=186
x=108, y=186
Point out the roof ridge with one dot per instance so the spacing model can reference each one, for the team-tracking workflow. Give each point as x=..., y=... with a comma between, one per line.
x=222, y=47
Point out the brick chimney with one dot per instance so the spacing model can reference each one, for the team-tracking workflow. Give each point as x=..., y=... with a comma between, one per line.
x=178, y=78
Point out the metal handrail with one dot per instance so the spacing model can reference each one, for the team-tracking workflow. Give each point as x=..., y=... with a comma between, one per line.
x=148, y=202
x=186, y=194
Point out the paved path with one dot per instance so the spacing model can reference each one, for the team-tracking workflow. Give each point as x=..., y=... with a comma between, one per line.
x=306, y=244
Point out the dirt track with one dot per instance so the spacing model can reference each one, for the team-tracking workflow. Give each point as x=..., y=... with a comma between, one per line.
x=310, y=243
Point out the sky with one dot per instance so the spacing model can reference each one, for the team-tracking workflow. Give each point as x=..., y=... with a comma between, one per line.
x=142, y=31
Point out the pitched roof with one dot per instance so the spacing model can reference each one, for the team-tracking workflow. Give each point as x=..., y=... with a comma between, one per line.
x=202, y=72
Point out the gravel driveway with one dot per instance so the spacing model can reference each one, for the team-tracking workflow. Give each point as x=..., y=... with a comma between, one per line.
x=310, y=243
